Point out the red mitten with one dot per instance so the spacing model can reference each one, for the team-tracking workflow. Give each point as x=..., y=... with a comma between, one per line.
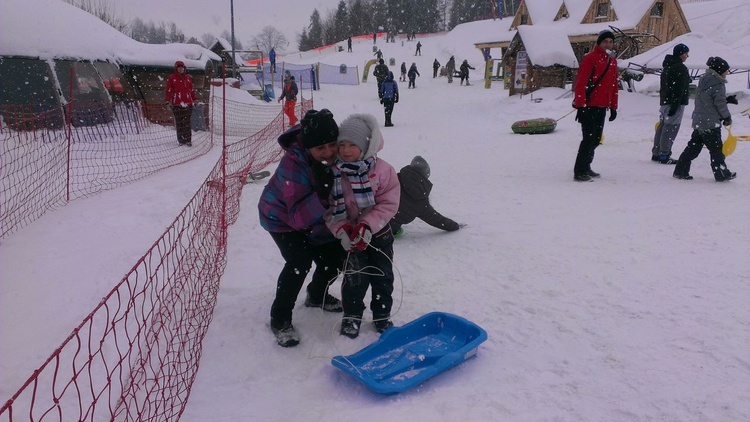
x=361, y=236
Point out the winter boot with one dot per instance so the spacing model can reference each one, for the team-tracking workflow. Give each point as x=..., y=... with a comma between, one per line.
x=724, y=175
x=381, y=323
x=666, y=159
x=350, y=326
x=582, y=178
x=682, y=176
x=285, y=333
x=329, y=304
x=594, y=174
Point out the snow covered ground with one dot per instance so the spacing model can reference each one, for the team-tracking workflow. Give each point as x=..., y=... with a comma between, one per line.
x=625, y=299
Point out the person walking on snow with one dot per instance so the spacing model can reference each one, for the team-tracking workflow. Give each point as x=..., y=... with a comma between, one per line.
x=291, y=209
x=363, y=200
x=595, y=92
x=349, y=45
x=380, y=72
x=388, y=97
x=402, y=78
x=413, y=73
x=450, y=69
x=464, y=71
x=181, y=95
x=673, y=97
x=418, y=52
x=289, y=93
x=710, y=113
x=435, y=68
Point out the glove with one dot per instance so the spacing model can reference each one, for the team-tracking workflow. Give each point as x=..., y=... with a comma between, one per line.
x=727, y=121
x=360, y=236
x=381, y=101
x=673, y=109
x=395, y=100
x=344, y=235
x=612, y=114
x=732, y=99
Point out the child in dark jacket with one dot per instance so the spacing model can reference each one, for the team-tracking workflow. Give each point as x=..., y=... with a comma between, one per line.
x=388, y=97
x=415, y=199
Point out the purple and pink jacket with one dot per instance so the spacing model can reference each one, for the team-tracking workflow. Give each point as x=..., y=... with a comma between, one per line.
x=290, y=201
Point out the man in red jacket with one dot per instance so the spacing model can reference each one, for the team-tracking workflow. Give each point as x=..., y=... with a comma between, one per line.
x=181, y=95
x=595, y=92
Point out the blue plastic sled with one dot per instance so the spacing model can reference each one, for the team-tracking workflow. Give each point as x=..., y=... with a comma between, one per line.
x=406, y=356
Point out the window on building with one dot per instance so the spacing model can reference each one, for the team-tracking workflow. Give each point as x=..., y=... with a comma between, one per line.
x=602, y=10
x=658, y=9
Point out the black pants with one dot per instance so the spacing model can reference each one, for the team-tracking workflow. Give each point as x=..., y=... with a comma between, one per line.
x=711, y=138
x=592, y=126
x=388, y=106
x=412, y=82
x=299, y=255
x=182, y=123
x=371, y=267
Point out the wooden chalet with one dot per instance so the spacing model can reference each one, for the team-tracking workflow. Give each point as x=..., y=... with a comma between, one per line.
x=638, y=25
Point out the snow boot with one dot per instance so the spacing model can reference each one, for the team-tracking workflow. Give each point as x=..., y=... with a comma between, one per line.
x=582, y=178
x=666, y=159
x=350, y=326
x=285, y=333
x=594, y=174
x=329, y=304
x=382, y=323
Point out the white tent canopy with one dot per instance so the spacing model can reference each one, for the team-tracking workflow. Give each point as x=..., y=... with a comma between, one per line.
x=701, y=48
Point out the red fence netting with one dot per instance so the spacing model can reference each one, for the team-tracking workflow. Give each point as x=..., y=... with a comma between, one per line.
x=135, y=356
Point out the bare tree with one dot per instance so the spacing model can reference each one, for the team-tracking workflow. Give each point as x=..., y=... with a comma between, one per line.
x=208, y=40
x=104, y=10
x=268, y=38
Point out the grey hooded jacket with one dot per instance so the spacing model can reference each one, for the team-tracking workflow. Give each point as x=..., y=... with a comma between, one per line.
x=710, y=102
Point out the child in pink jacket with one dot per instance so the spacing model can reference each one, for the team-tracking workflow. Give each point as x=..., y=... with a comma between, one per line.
x=364, y=198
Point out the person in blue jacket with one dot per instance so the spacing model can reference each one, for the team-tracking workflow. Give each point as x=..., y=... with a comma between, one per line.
x=272, y=59
x=388, y=96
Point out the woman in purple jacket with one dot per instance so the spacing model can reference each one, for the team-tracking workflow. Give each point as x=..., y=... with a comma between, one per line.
x=291, y=209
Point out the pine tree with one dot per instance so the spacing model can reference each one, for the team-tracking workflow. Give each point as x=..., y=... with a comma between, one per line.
x=315, y=34
x=341, y=21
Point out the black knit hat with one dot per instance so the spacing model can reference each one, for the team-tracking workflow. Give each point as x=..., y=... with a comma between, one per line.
x=318, y=128
x=420, y=165
x=680, y=49
x=718, y=64
x=604, y=35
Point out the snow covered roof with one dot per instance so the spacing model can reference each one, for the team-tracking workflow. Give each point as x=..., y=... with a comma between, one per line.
x=701, y=48
x=225, y=44
x=51, y=29
x=547, y=46
x=628, y=12
x=488, y=30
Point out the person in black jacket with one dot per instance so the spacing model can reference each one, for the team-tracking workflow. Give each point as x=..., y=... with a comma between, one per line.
x=415, y=199
x=673, y=97
x=413, y=73
x=380, y=72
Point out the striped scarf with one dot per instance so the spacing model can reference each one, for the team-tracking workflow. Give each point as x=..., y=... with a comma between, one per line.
x=357, y=172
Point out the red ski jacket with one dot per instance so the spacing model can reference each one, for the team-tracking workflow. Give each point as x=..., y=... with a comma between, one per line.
x=592, y=70
x=180, y=91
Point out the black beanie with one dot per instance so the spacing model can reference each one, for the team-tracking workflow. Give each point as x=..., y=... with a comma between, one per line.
x=604, y=35
x=420, y=165
x=718, y=64
x=318, y=128
x=680, y=49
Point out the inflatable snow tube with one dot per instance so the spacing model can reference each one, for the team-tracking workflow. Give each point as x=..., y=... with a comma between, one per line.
x=534, y=126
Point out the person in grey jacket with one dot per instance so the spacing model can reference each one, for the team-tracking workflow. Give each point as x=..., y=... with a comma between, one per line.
x=415, y=199
x=710, y=113
x=673, y=97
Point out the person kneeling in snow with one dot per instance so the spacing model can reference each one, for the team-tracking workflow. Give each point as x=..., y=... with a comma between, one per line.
x=415, y=199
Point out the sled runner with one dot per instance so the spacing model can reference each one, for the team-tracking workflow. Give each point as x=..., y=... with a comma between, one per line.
x=406, y=356
x=534, y=126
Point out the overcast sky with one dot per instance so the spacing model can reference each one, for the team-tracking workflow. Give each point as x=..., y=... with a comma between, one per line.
x=196, y=17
